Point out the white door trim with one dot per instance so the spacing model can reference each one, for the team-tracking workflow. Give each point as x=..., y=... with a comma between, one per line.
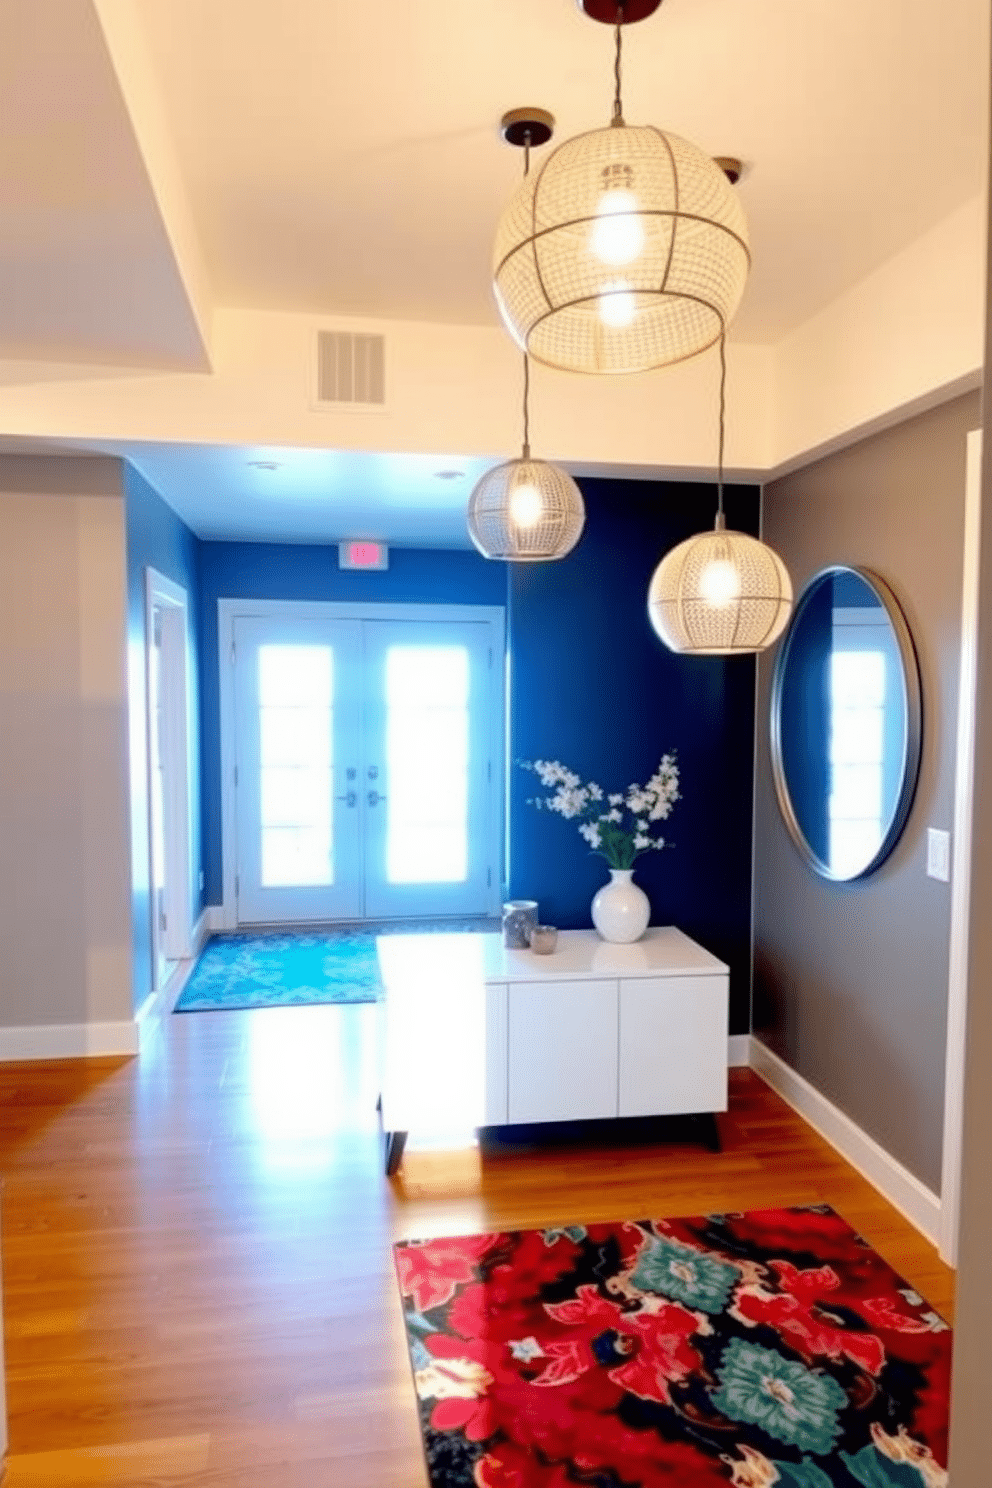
x=172, y=600
x=228, y=610
x=964, y=789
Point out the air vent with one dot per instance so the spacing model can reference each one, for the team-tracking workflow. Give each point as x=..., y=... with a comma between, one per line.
x=351, y=369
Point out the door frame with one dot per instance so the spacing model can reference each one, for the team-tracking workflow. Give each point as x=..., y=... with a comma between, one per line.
x=229, y=610
x=961, y=849
x=174, y=943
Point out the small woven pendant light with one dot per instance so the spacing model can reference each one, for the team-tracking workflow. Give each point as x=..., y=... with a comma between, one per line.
x=721, y=592
x=526, y=510
x=627, y=249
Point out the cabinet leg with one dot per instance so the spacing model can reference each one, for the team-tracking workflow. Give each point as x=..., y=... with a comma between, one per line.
x=711, y=1131
x=395, y=1142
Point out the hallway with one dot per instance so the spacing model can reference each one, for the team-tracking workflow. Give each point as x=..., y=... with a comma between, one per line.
x=198, y=1280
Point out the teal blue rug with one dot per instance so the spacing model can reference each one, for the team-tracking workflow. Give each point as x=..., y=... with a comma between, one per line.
x=281, y=970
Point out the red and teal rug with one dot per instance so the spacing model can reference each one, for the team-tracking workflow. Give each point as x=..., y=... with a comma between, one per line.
x=771, y=1349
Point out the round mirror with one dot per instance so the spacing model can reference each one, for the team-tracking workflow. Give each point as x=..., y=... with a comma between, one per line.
x=845, y=723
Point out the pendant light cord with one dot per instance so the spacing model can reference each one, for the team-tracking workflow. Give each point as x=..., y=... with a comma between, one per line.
x=526, y=448
x=527, y=409
x=721, y=520
x=617, y=105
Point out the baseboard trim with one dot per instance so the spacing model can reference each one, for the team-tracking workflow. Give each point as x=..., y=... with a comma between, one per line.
x=739, y=1050
x=919, y=1204
x=202, y=930
x=218, y=919
x=69, y=1041
x=160, y=1004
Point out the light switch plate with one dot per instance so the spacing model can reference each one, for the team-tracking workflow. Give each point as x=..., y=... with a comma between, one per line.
x=938, y=854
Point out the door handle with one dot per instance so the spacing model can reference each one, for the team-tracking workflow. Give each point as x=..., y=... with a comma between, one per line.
x=351, y=799
x=374, y=798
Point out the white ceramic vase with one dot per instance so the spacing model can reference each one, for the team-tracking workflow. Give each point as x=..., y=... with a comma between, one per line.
x=621, y=909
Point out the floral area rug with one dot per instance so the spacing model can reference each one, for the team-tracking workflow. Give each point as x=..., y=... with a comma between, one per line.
x=272, y=970
x=772, y=1349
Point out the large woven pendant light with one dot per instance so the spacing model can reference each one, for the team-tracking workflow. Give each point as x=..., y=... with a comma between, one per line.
x=721, y=592
x=626, y=250
x=526, y=510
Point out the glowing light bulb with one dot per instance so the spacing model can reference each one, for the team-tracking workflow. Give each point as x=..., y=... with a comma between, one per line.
x=617, y=306
x=618, y=233
x=719, y=582
x=526, y=506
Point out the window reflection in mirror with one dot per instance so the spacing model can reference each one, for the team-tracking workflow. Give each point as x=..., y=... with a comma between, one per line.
x=845, y=723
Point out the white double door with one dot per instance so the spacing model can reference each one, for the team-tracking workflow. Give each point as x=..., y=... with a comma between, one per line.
x=366, y=782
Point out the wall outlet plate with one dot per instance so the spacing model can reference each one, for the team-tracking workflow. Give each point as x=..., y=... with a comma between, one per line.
x=938, y=854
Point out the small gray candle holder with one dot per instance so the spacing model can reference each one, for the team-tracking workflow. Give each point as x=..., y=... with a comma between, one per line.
x=519, y=919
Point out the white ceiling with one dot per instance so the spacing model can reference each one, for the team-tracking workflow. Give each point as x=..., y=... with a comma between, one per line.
x=279, y=495
x=346, y=157
x=333, y=157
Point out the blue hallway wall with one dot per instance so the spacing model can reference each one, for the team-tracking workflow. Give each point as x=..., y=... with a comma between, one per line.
x=156, y=538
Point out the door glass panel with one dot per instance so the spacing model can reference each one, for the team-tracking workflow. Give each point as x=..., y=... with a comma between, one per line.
x=857, y=721
x=427, y=734
x=296, y=703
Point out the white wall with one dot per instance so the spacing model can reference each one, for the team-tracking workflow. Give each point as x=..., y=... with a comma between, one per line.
x=906, y=338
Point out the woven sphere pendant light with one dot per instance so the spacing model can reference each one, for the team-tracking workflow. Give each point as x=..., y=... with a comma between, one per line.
x=720, y=592
x=527, y=511
x=627, y=249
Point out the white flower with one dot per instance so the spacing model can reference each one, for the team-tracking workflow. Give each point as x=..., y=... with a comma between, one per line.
x=623, y=830
x=590, y=831
x=570, y=801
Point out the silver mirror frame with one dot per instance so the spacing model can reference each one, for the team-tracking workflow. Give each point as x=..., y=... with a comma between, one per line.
x=913, y=699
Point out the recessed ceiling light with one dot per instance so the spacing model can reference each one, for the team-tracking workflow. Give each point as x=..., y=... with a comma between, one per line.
x=449, y=475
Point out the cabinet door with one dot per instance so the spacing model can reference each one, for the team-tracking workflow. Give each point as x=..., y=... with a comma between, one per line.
x=562, y=1050
x=494, y=1100
x=673, y=1045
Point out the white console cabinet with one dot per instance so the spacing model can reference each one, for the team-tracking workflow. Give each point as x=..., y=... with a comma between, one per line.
x=478, y=1035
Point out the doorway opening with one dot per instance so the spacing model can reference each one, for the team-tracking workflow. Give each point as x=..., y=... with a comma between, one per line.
x=169, y=771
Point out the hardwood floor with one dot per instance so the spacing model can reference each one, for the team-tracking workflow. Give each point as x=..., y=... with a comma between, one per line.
x=198, y=1279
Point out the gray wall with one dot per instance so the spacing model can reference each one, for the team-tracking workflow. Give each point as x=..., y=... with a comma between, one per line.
x=65, y=896
x=851, y=979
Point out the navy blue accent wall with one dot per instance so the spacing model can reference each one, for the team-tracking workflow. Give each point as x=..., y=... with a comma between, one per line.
x=276, y=571
x=592, y=685
x=156, y=538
